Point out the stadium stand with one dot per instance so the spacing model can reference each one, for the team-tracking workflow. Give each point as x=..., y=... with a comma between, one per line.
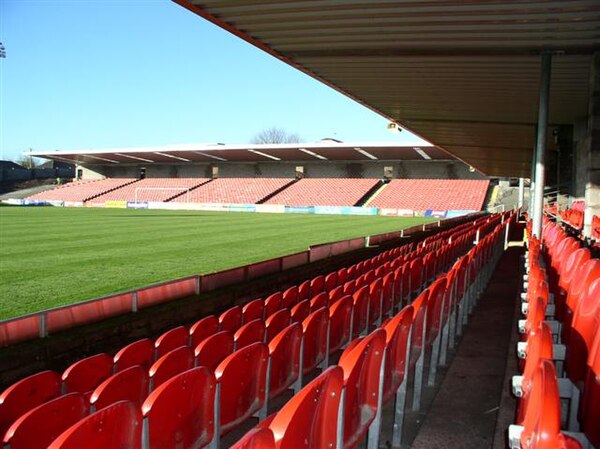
x=153, y=189
x=242, y=381
x=82, y=190
x=324, y=192
x=236, y=190
x=434, y=194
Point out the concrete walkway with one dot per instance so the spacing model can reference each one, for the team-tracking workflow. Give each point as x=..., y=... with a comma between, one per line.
x=465, y=409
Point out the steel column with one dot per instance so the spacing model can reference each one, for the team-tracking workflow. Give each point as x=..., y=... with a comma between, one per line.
x=521, y=192
x=540, y=150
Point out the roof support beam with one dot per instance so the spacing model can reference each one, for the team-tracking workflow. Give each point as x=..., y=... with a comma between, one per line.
x=540, y=147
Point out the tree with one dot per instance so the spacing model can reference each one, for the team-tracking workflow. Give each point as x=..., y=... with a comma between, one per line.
x=276, y=135
x=28, y=162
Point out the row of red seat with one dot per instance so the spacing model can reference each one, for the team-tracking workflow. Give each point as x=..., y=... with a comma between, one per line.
x=346, y=401
x=560, y=335
x=332, y=309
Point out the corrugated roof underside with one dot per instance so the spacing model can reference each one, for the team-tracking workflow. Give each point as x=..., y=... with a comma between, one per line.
x=463, y=74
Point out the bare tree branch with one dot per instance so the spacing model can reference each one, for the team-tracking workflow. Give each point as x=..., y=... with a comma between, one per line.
x=276, y=135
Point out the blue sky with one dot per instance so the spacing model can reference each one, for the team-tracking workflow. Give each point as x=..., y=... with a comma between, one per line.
x=101, y=74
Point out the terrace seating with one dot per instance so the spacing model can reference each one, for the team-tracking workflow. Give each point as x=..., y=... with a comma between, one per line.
x=214, y=349
x=140, y=353
x=81, y=190
x=172, y=363
x=432, y=194
x=235, y=190
x=324, y=192
x=153, y=189
x=130, y=384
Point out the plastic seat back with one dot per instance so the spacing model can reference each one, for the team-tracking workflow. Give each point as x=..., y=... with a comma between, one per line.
x=317, y=285
x=116, y=426
x=172, y=339
x=340, y=323
x=314, y=339
x=273, y=303
x=214, y=349
x=539, y=347
x=362, y=367
x=417, y=335
x=435, y=308
x=310, y=418
x=300, y=311
x=387, y=302
x=139, y=352
x=361, y=304
x=130, y=384
x=180, y=413
x=585, y=275
x=397, y=331
x=590, y=406
x=319, y=300
x=231, y=319
x=241, y=378
x=254, y=310
x=85, y=375
x=249, y=333
x=342, y=276
x=169, y=365
x=277, y=322
x=416, y=275
x=284, y=354
x=257, y=438
x=541, y=426
x=203, y=328
x=336, y=293
x=585, y=325
x=304, y=291
x=331, y=281
x=290, y=297
x=375, y=297
x=27, y=394
x=40, y=426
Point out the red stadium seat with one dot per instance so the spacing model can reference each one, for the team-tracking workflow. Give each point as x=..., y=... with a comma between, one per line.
x=116, y=426
x=289, y=297
x=317, y=285
x=180, y=413
x=350, y=287
x=172, y=339
x=585, y=325
x=231, y=319
x=27, y=394
x=397, y=330
x=241, y=385
x=304, y=291
x=541, y=425
x=273, y=303
x=310, y=418
x=277, y=322
x=249, y=333
x=340, y=323
x=85, y=375
x=387, y=300
x=362, y=368
x=214, y=349
x=361, y=311
x=257, y=438
x=40, y=426
x=375, y=302
x=130, y=384
x=202, y=329
x=300, y=311
x=590, y=406
x=331, y=281
x=435, y=311
x=170, y=364
x=342, y=276
x=417, y=345
x=139, y=352
x=284, y=354
x=336, y=293
x=254, y=310
x=314, y=344
x=319, y=300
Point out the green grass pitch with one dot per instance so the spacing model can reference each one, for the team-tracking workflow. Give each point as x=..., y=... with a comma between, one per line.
x=54, y=256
